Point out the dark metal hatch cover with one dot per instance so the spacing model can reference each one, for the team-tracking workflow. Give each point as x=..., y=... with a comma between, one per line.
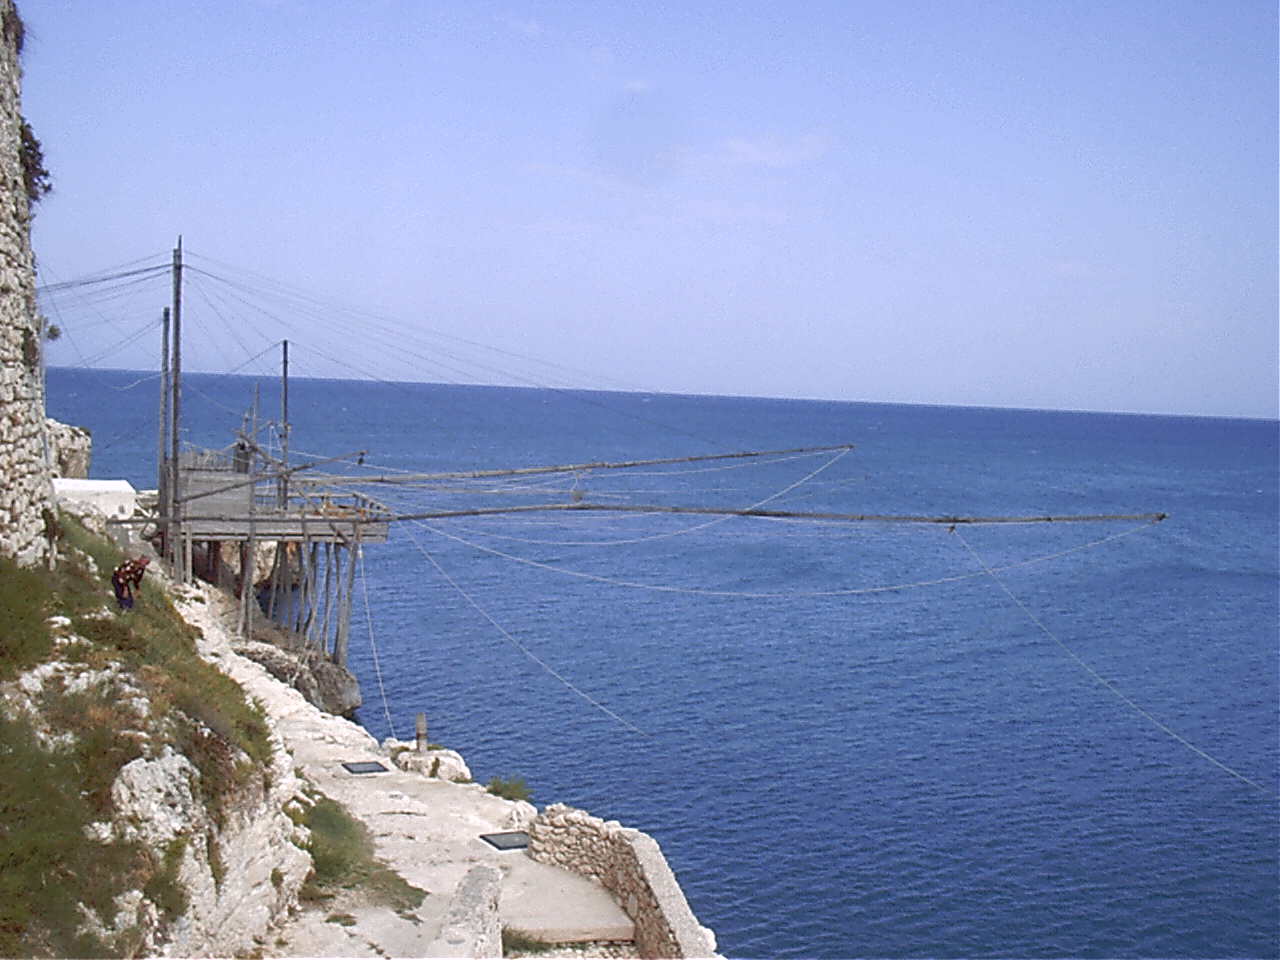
x=513, y=840
x=364, y=766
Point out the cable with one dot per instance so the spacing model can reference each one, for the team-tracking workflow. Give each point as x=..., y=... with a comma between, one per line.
x=1099, y=678
x=521, y=647
x=373, y=646
x=751, y=595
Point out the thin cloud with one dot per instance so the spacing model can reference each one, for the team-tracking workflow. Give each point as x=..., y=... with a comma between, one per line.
x=525, y=26
x=773, y=153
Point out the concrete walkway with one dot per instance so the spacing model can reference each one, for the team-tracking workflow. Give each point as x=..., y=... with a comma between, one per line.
x=426, y=830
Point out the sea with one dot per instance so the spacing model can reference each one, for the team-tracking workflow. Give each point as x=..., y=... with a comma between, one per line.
x=851, y=739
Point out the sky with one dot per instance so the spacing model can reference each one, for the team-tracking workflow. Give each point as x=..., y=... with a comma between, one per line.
x=1017, y=204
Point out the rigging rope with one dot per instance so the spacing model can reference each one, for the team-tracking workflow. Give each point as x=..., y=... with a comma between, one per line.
x=684, y=530
x=770, y=595
x=373, y=646
x=521, y=647
x=1099, y=678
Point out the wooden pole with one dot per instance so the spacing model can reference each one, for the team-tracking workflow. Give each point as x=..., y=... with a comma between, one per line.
x=164, y=501
x=313, y=563
x=175, y=408
x=284, y=428
x=328, y=592
x=344, y=611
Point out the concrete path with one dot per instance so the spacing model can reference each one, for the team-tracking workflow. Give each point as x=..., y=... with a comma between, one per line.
x=426, y=830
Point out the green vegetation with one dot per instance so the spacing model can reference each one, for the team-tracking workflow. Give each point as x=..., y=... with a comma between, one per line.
x=513, y=789
x=48, y=865
x=163, y=888
x=24, y=607
x=35, y=178
x=519, y=942
x=57, y=770
x=342, y=852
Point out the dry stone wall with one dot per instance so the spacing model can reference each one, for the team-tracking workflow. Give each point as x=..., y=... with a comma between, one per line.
x=25, y=490
x=630, y=865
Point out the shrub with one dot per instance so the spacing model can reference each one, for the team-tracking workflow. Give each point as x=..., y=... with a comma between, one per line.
x=343, y=858
x=513, y=789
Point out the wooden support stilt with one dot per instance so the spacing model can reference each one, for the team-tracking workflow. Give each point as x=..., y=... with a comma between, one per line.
x=281, y=557
x=344, y=610
x=328, y=593
x=313, y=561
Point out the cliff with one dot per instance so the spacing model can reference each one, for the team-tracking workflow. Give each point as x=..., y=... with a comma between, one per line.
x=162, y=795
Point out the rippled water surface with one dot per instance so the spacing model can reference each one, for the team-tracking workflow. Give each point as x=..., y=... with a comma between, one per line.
x=963, y=767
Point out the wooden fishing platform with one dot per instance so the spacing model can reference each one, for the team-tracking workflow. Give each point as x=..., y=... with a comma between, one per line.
x=218, y=499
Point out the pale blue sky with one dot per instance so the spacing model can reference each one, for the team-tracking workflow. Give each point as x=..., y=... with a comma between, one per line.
x=1062, y=205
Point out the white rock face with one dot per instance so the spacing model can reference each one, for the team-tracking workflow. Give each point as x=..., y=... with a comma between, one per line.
x=155, y=800
x=70, y=449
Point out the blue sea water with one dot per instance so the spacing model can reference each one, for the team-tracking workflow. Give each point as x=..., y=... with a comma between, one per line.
x=1078, y=757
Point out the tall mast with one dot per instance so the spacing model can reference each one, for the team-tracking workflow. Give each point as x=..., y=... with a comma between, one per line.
x=162, y=441
x=284, y=427
x=175, y=408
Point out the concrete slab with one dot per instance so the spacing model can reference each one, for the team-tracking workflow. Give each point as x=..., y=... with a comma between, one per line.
x=558, y=906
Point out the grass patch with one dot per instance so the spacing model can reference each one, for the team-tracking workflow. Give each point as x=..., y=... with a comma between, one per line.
x=49, y=866
x=341, y=919
x=25, y=607
x=163, y=888
x=513, y=789
x=518, y=941
x=342, y=852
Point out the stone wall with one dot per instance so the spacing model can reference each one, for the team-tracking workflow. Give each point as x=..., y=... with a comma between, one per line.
x=630, y=865
x=25, y=493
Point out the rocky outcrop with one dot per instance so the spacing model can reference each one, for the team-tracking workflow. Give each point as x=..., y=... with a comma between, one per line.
x=239, y=878
x=434, y=762
x=70, y=449
x=326, y=685
x=26, y=496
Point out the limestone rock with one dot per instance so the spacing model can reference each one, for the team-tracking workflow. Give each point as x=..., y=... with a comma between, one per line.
x=339, y=690
x=70, y=449
x=155, y=800
x=323, y=683
x=441, y=764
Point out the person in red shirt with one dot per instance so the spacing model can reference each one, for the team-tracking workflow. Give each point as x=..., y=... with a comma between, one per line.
x=126, y=579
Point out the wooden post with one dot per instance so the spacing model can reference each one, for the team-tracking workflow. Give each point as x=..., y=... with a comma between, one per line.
x=284, y=428
x=344, y=610
x=313, y=563
x=304, y=581
x=163, y=498
x=328, y=591
x=175, y=411
x=422, y=732
x=274, y=596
